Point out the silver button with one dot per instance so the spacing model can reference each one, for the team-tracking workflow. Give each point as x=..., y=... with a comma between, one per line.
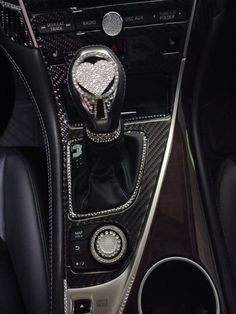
x=112, y=23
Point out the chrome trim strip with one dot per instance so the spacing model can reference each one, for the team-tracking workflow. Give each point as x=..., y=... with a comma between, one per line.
x=182, y=259
x=143, y=241
x=65, y=295
x=116, y=292
x=28, y=24
x=189, y=29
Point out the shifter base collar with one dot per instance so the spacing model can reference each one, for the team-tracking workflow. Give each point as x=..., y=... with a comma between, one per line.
x=104, y=137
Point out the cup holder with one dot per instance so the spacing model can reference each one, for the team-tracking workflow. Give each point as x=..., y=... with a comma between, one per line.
x=177, y=285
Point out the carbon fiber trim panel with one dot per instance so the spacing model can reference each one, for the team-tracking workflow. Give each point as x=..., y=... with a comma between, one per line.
x=13, y=26
x=132, y=219
x=59, y=49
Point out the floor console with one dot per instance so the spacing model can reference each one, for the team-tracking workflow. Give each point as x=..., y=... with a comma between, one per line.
x=107, y=251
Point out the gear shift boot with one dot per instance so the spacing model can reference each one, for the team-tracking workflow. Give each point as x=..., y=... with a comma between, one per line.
x=108, y=176
x=103, y=184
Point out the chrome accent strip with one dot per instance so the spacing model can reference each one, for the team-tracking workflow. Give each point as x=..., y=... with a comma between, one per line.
x=128, y=113
x=65, y=295
x=182, y=259
x=143, y=241
x=28, y=24
x=119, y=288
x=10, y=6
x=188, y=35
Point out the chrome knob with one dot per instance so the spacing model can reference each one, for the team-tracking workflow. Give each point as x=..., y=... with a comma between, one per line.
x=112, y=23
x=108, y=244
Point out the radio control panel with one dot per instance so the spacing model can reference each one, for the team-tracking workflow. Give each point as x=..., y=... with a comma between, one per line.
x=90, y=20
x=148, y=38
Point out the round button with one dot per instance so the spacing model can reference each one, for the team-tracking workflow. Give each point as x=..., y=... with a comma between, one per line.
x=112, y=23
x=108, y=244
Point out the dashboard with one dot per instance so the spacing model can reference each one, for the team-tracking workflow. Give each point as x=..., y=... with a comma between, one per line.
x=150, y=230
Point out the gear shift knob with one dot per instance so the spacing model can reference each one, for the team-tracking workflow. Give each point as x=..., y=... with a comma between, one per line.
x=109, y=171
x=97, y=84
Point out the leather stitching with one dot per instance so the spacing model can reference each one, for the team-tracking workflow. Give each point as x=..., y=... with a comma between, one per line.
x=46, y=142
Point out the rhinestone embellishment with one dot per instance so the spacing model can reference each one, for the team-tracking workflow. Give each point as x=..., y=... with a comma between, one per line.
x=95, y=78
x=89, y=80
x=104, y=137
x=108, y=244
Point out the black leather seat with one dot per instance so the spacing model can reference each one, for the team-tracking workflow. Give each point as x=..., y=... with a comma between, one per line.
x=227, y=207
x=24, y=283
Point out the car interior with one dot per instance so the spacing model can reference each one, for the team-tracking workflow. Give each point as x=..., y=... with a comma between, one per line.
x=117, y=157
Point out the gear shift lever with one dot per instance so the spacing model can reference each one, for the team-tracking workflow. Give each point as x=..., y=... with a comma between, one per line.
x=109, y=172
x=97, y=83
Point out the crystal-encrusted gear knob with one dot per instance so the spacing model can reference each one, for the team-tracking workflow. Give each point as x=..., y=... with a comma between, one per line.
x=108, y=244
x=97, y=83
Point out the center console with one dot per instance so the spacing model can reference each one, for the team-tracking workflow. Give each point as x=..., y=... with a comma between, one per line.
x=107, y=222
x=150, y=43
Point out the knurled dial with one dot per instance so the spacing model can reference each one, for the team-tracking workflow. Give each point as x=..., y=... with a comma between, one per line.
x=108, y=244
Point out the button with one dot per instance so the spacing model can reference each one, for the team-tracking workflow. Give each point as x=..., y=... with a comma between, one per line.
x=54, y=57
x=136, y=18
x=81, y=233
x=82, y=306
x=83, y=262
x=55, y=27
x=77, y=234
x=79, y=247
x=172, y=44
x=87, y=22
x=79, y=263
x=112, y=23
x=170, y=15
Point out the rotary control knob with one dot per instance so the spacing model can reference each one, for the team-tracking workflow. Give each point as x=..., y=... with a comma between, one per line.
x=112, y=23
x=108, y=244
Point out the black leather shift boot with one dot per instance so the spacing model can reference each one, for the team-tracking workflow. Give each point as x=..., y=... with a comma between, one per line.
x=108, y=175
